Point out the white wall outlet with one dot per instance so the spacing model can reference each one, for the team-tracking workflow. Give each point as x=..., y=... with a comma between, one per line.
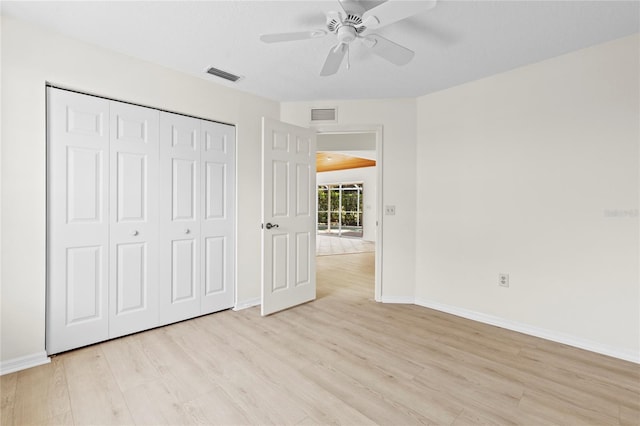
x=390, y=210
x=503, y=280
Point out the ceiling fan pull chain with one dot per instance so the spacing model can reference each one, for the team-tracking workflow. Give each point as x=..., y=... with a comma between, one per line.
x=348, y=61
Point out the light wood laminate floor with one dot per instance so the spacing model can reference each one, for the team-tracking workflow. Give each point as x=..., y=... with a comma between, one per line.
x=342, y=359
x=329, y=245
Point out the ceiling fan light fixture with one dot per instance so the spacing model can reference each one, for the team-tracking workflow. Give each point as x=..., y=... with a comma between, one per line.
x=223, y=74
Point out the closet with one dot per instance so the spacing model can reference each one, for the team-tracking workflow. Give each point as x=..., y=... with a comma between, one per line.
x=140, y=218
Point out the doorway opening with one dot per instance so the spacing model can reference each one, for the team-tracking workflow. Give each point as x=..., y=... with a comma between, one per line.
x=340, y=209
x=349, y=182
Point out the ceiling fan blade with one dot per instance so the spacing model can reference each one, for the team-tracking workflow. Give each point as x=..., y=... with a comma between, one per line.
x=388, y=50
x=334, y=59
x=352, y=7
x=393, y=11
x=302, y=35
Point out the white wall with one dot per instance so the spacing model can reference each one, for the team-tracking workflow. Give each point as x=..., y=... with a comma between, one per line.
x=534, y=173
x=398, y=119
x=347, y=142
x=33, y=56
x=368, y=176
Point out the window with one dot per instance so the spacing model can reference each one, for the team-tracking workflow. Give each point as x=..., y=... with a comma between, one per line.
x=340, y=209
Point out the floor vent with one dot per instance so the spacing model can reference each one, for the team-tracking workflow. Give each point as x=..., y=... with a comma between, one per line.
x=223, y=74
x=324, y=115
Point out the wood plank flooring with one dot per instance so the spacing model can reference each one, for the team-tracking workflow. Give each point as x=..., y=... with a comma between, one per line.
x=328, y=245
x=342, y=359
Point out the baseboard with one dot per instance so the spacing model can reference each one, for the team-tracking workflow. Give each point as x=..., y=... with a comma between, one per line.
x=249, y=303
x=24, y=362
x=554, y=336
x=406, y=300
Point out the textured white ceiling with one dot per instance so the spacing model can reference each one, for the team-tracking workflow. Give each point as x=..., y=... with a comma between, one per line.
x=456, y=42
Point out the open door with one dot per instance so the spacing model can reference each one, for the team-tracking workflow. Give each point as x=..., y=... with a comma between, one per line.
x=288, y=216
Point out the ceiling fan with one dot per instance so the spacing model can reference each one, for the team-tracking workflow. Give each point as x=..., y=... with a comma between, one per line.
x=355, y=25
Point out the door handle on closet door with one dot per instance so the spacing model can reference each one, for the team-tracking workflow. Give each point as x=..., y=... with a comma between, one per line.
x=134, y=233
x=271, y=225
x=187, y=231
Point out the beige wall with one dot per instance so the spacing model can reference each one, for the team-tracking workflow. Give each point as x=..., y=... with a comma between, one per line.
x=398, y=120
x=31, y=57
x=534, y=173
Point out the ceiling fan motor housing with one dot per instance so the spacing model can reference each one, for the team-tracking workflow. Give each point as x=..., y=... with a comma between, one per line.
x=347, y=30
x=346, y=34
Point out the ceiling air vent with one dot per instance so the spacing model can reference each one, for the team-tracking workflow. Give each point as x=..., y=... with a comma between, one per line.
x=223, y=74
x=324, y=115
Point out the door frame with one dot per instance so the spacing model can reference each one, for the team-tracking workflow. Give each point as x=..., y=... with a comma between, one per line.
x=377, y=130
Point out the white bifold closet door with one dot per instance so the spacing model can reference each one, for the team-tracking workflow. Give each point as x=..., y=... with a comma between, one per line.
x=103, y=219
x=141, y=218
x=133, y=265
x=197, y=211
x=78, y=221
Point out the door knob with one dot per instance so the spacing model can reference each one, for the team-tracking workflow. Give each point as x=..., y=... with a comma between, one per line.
x=134, y=233
x=187, y=231
x=271, y=225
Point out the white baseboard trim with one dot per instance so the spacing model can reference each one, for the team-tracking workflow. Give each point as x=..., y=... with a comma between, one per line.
x=24, y=362
x=406, y=300
x=249, y=303
x=624, y=354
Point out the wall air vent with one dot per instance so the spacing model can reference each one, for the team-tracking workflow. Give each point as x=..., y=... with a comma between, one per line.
x=223, y=74
x=324, y=115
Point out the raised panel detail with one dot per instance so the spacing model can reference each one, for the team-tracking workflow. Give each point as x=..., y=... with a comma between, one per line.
x=280, y=200
x=183, y=189
x=83, y=284
x=131, y=277
x=280, y=141
x=84, y=122
x=215, y=190
x=131, y=130
x=216, y=143
x=132, y=187
x=303, y=245
x=303, y=146
x=215, y=271
x=280, y=266
x=183, y=270
x=185, y=139
x=84, y=185
x=303, y=197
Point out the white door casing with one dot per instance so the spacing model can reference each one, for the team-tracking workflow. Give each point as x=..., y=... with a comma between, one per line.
x=134, y=147
x=78, y=220
x=180, y=211
x=217, y=232
x=288, y=216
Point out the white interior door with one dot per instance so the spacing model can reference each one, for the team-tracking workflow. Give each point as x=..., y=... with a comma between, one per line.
x=134, y=146
x=179, y=217
x=288, y=215
x=78, y=220
x=217, y=242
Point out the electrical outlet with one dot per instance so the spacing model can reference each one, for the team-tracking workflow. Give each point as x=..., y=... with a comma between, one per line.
x=390, y=210
x=503, y=280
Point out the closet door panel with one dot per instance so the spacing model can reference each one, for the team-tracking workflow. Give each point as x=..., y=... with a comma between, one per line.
x=134, y=145
x=77, y=220
x=184, y=273
x=218, y=216
x=180, y=203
